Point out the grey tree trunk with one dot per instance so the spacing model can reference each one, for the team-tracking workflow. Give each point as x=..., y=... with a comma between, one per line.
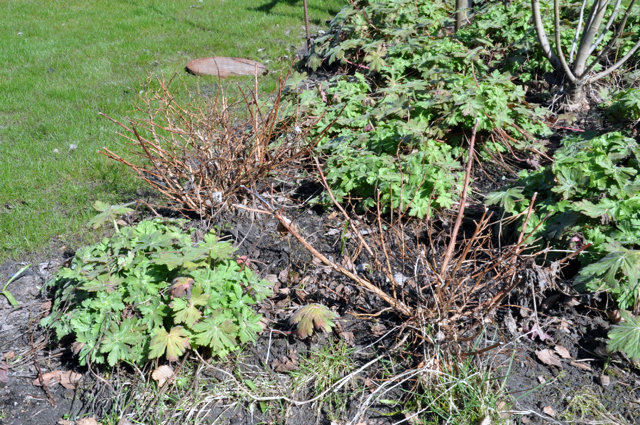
x=463, y=7
x=578, y=70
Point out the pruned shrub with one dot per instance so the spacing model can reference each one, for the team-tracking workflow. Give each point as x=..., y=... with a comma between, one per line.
x=200, y=157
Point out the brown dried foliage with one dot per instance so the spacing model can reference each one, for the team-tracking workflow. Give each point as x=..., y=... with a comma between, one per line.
x=200, y=158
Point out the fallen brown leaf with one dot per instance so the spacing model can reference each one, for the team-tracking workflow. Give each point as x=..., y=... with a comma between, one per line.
x=563, y=352
x=547, y=357
x=348, y=337
x=67, y=379
x=162, y=374
x=583, y=366
x=87, y=421
x=286, y=364
x=549, y=411
x=614, y=316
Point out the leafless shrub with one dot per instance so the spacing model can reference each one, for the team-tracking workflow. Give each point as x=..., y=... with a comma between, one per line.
x=199, y=158
x=450, y=281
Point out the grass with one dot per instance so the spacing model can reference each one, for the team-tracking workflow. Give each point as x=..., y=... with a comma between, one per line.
x=61, y=63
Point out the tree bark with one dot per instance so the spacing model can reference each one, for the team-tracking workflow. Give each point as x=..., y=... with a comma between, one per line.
x=463, y=7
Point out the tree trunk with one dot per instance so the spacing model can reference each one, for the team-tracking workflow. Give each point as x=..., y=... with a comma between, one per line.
x=463, y=7
x=576, y=98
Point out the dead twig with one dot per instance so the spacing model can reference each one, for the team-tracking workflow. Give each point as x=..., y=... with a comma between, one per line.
x=365, y=284
x=463, y=200
x=37, y=364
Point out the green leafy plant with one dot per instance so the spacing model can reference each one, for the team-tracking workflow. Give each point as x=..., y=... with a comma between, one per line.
x=590, y=195
x=5, y=292
x=625, y=106
x=151, y=291
x=394, y=128
x=323, y=368
x=313, y=317
x=625, y=336
x=108, y=214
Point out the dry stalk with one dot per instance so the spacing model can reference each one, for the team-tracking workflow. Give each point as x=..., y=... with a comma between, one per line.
x=200, y=158
x=363, y=283
x=463, y=200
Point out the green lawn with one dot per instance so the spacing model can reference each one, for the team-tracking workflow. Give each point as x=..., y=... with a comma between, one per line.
x=63, y=62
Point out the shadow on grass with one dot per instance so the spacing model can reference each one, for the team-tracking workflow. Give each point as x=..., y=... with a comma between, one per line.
x=268, y=7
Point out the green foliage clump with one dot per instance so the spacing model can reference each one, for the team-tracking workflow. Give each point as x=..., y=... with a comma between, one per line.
x=625, y=336
x=151, y=291
x=395, y=127
x=625, y=106
x=591, y=194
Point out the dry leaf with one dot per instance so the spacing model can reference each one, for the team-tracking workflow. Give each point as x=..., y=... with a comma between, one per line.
x=536, y=331
x=65, y=422
x=181, y=286
x=87, y=421
x=486, y=421
x=67, y=379
x=563, y=352
x=348, y=337
x=547, y=357
x=76, y=347
x=582, y=366
x=162, y=374
x=378, y=329
x=3, y=372
x=549, y=411
x=286, y=364
x=564, y=326
x=124, y=421
x=614, y=316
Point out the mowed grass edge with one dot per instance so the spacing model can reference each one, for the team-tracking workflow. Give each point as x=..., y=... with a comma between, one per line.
x=62, y=63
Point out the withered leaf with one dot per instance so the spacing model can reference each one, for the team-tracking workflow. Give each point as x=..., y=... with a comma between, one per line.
x=562, y=352
x=286, y=364
x=313, y=317
x=87, y=421
x=580, y=365
x=67, y=379
x=547, y=357
x=181, y=286
x=549, y=411
x=162, y=374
